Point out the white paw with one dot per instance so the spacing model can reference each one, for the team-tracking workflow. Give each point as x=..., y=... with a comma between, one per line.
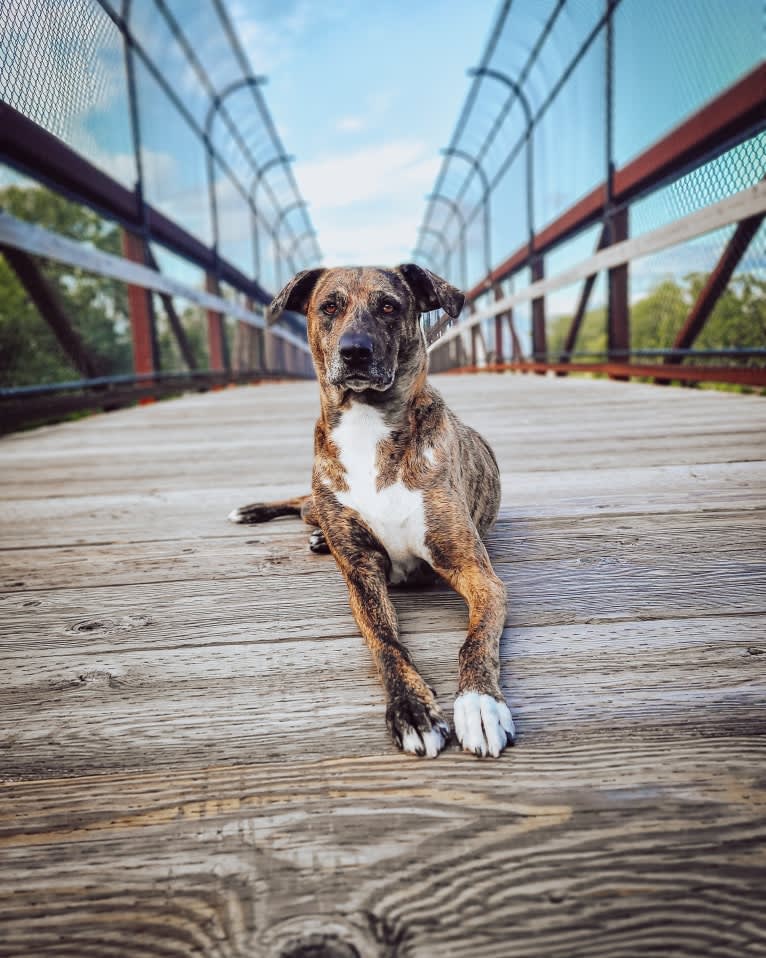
x=429, y=743
x=482, y=724
x=235, y=515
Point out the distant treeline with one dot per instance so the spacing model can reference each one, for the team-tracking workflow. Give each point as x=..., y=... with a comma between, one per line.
x=97, y=307
x=737, y=321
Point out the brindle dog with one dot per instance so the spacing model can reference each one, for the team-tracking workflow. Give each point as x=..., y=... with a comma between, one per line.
x=399, y=484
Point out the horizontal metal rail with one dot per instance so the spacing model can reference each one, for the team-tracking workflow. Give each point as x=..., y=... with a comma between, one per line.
x=754, y=377
x=37, y=153
x=42, y=242
x=733, y=352
x=130, y=379
x=29, y=410
x=731, y=210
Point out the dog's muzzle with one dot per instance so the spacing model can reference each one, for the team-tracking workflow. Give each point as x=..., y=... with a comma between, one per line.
x=355, y=365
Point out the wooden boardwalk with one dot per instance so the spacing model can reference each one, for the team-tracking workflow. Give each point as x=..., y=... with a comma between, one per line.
x=193, y=749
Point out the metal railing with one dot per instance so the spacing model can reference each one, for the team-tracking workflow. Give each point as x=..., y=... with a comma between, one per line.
x=555, y=150
x=160, y=127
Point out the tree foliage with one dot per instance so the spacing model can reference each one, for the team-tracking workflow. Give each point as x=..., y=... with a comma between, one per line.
x=738, y=319
x=96, y=306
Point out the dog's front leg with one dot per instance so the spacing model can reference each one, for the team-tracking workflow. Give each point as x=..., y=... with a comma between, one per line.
x=413, y=716
x=483, y=722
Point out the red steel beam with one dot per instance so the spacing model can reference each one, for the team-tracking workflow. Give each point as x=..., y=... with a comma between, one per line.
x=730, y=116
x=716, y=283
x=618, y=311
x=740, y=108
x=34, y=150
x=539, y=339
x=215, y=330
x=140, y=309
x=499, y=357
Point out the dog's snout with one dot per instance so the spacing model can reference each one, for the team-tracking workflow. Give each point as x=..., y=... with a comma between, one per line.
x=356, y=348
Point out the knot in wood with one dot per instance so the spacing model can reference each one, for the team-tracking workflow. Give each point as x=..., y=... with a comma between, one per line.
x=319, y=946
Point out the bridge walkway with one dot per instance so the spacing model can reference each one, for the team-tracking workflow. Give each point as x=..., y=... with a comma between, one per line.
x=193, y=750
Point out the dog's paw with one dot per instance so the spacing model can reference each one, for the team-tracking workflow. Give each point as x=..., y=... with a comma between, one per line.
x=251, y=513
x=483, y=725
x=417, y=727
x=318, y=543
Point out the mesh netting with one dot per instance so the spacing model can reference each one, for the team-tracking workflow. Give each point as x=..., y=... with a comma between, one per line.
x=579, y=88
x=64, y=65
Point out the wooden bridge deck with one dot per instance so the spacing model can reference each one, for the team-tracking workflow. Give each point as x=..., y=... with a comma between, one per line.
x=193, y=748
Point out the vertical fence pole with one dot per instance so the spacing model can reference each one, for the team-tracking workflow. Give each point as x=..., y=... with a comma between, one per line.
x=145, y=350
x=618, y=321
x=539, y=344
x=269, y=345
x=254, y=342
x=499, y=352
x=615, y=220
x=216, y=344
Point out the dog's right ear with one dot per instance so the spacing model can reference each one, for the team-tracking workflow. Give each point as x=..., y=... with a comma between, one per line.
x=296, y=295
x=431, y=291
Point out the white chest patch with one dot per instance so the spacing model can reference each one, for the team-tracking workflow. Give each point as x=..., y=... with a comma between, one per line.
x=395, y=514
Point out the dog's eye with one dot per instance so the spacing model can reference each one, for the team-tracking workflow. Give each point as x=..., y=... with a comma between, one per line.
x=388, y=308
x=329, y=309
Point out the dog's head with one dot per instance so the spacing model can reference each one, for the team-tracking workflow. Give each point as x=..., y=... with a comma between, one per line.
x=364, y=322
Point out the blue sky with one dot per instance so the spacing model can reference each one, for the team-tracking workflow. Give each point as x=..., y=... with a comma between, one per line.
x=365, y=95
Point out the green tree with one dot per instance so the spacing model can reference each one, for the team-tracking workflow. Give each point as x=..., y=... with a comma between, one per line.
x=737, y=321
x=96, y=306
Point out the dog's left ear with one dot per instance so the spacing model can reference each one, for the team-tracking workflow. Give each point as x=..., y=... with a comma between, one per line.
x=431, y=291
x=296, y=295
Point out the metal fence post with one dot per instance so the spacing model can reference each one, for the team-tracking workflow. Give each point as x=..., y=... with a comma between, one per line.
x=216, y=343
x=445, y=265
x=486, y=193
x=145, y=349
x=457, y=213
x=279, y=251
x=539, y=343
x=499, y=351
x=618, y=314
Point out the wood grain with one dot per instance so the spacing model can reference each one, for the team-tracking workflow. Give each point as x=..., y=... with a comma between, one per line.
x=193, y=754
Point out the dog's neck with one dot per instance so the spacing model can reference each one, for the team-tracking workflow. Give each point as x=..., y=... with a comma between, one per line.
x=394, y=404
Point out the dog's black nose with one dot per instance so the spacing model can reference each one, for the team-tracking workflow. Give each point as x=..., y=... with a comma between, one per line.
x=355, y=348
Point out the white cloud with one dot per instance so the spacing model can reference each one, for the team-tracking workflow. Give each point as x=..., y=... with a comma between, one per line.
x=383, y=240
x=370, y=173
x=350, y=124
x=366, y=203
x=269, y=38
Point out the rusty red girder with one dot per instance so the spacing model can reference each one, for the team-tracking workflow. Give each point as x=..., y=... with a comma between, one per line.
x=713, y=128
x=716, y=283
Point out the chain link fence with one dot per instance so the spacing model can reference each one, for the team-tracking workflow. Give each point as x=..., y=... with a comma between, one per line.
x=566, y=95
x=161, y=97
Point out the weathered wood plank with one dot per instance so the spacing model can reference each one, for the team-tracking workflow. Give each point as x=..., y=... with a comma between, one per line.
x=539, y=593
x=194, y=753
x=85, y=709
x=561, y=849
x=54, y=520
x=280, y=549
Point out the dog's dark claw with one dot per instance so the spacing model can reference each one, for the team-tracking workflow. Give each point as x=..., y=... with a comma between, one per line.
x=318, y=543
x=417, y=727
